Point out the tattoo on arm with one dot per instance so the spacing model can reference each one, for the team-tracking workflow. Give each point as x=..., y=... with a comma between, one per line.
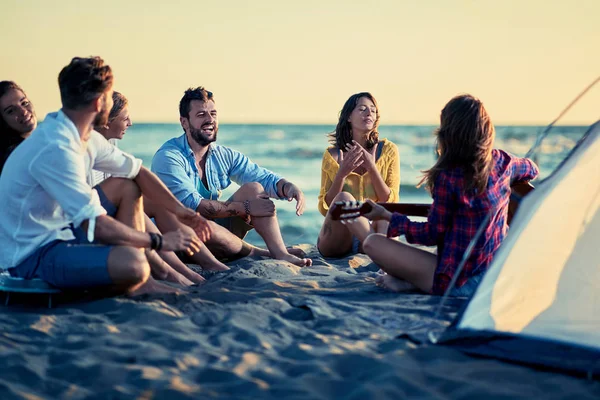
x=216, y=209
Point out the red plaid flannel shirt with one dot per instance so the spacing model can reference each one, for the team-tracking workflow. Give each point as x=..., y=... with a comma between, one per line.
x=456, y=215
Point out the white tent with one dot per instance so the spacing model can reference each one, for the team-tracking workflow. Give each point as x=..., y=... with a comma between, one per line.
x=540, y=300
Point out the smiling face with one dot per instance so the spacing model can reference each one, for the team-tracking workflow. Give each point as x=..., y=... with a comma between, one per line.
x=363, y=117
x=119, y=125
x=17, y=111
x=202, y=123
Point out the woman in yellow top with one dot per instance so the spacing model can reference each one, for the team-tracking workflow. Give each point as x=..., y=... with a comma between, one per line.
x=358, y=166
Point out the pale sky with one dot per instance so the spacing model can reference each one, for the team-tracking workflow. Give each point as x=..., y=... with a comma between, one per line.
x=280, y=61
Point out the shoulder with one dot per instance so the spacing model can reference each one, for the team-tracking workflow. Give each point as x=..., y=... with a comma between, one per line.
x=389, y=148
x=331, y=153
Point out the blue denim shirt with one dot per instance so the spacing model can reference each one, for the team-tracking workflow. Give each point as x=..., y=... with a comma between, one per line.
x=175, y=164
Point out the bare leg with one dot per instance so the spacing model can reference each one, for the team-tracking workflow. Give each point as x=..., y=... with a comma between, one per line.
x=127, y=197
x=167, y=222
x=268, y=227
x=335, y=238
x=175, y=270
x=401, y=261
x=129, y=270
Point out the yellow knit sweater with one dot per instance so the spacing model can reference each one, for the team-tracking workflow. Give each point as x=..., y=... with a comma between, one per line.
x=360, y=186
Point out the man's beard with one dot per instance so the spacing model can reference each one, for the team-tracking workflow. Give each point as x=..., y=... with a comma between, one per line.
x=200, y=138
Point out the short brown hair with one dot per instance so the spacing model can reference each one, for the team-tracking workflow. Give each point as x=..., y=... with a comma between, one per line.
x=83, y=81
x=191, y=94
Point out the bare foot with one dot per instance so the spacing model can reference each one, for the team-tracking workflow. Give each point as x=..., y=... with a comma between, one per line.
x=178, y=278
x=300, y=262
x=258, y=252
x=296, y=252
x=394, y=284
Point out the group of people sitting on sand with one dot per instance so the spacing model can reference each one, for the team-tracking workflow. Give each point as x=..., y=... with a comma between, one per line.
x=78, y=213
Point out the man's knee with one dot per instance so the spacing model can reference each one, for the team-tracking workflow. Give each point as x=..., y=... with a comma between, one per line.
x=251, y=189
x=117, y=189
x=128, y=265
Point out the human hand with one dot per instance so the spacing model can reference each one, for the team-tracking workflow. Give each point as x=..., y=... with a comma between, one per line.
x=377, y=212
x=262, y=206
x=195, y=221
x=181, y=240
x=293, y=192
x=368, y=156
x=350, y=161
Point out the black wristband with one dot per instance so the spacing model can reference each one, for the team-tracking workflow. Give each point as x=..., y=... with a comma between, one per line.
x=155, y=241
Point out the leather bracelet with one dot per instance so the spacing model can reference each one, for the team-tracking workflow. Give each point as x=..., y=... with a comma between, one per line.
x=247, y=207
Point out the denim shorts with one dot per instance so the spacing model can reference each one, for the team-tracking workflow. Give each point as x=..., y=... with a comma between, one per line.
x=468, y=288
x=70, y=264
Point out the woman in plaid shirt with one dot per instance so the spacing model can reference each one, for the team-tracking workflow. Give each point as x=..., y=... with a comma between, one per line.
x=469, y=181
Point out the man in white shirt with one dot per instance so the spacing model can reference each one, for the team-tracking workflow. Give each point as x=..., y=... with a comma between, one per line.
x=45, y=197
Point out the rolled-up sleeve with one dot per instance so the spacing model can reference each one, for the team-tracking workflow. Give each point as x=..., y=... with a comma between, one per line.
x=169, y=166
x=243, y=171
x=60, y=170
x=111, y=160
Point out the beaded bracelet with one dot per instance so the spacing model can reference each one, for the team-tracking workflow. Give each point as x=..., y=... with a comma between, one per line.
x=247, y=207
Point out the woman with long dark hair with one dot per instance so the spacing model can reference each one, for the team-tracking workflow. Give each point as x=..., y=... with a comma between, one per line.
x=471, y=185
x=17, y=118
x=358, y=166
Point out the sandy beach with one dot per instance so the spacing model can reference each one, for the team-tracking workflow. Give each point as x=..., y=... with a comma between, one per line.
x=263, y=330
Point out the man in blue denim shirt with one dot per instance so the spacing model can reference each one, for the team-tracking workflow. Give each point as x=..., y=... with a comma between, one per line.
x=196, y=171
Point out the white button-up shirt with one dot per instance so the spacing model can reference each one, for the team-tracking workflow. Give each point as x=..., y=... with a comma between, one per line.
x=43, y=187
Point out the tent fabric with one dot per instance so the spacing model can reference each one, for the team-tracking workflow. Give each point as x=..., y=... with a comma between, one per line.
x=542, y=291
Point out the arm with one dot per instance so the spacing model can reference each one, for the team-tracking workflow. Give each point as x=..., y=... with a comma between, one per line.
x=523, y=170
x=326, y=183
x=346, y=164
x=427, y=233
x=241, y=171
x=110, y=231
x=221, y=209
x=156, y=191
x=288, y=190
x=382, y=191
x=392, y=176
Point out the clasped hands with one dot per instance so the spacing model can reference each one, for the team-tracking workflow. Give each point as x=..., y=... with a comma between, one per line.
x=355, y=156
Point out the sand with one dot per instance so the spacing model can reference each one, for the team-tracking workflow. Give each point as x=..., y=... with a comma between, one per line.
x=263, y=330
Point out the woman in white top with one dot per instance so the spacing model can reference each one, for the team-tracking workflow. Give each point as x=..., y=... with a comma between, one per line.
x=118, y=123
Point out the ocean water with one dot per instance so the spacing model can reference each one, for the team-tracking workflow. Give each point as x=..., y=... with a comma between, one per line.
x=295, y=152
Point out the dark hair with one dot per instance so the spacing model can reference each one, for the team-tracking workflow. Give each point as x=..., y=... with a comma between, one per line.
x=191, y=94
x=343, y=131
x=464, y=139
x=83, y=81
x=6, y=132
x=119, y=103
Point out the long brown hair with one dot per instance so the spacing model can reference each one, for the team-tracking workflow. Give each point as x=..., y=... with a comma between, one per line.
x=8, y=134
x=464, y=139
x=343, y=131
